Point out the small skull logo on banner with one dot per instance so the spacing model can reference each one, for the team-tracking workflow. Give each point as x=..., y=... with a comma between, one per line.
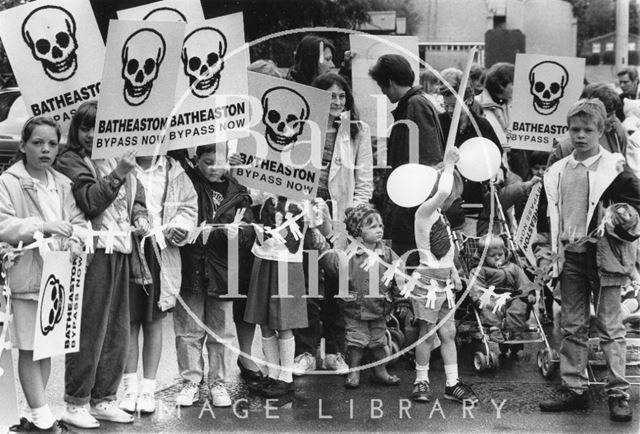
x=284, y=113
x=548, y=80
x=165, y=14
x=142, y=55
x=52, y=305
x=50, y=33
x=203, y=53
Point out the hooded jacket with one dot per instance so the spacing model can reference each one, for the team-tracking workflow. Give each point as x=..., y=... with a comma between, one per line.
x=21, y=216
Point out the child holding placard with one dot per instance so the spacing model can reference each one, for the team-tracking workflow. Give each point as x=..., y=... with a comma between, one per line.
x=34, y=199
x=108, y=194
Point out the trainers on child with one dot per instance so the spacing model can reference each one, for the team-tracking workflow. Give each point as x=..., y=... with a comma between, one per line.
x=335, y=362
x=78, y=415
x=460, y=392
x=421, y=392
x=146, y=403
x=128, y=402
x=303, y=363
x=188, y=394
x=109, y=411
x=220, y=396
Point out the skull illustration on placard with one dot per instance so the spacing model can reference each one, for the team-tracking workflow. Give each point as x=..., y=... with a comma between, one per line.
x=285, y=112
x=142, y=55
x=165, y=14
x=548, y=80
x=203, y=53
x=50, y=33
x=52, y=304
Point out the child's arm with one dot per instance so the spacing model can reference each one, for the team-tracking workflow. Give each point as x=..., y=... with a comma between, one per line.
x=139, y=213
x=15, y=229
x=186, y=217
x=445, y=185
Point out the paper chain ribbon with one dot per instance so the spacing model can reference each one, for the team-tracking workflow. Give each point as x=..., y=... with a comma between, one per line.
x=488, y=293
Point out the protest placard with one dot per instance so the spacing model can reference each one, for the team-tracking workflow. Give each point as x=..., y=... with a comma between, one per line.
x=56, y=53
x=375, y=108
x=211, y=102
x=9, y=414
x=139, y=83
x=544, y=87
x=284, y=152
x=186, y=11
x=526, y=233
x=59, y=312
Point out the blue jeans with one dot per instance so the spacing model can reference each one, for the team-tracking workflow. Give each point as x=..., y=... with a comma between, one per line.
x=579, y=279
x=94, y=372
x=217, y=315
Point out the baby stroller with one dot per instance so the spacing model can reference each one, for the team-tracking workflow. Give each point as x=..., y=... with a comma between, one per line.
x=469, y=324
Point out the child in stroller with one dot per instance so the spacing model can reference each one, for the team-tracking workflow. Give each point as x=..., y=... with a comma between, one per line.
x=502, y=293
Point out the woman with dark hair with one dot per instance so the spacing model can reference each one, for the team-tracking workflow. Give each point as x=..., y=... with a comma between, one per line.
x=313, y=56
x=346, y=180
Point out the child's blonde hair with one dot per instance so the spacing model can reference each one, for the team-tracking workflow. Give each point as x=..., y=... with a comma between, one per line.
x=589, y=109
x=491, y=241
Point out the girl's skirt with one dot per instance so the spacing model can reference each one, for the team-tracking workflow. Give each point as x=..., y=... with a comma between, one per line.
x=23, y=325
x=265, y=308
x=143, y=300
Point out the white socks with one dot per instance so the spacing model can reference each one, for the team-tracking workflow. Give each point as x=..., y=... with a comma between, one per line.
x=130, y=382
x=287, y=354
x=422, y=373
x=451, y=373
x=42, y=417
x=148, y=386
x=271, y=351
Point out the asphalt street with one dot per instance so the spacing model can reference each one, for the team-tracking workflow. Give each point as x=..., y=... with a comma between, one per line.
x=508, y=396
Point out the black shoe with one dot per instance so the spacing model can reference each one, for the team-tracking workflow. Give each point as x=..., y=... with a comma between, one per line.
x=277, y=388
x=248, y=374
x=26, y=426
x=461, y=392
x=568, y=401
x=619, y=410
x=421, y=392
x=261, y=385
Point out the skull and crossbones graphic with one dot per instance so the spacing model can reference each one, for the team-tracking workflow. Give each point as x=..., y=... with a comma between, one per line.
x=285, y=112
x=50, y=33
x=142, y=55
x=548, y=80
x=52, y=304
x=203, y=53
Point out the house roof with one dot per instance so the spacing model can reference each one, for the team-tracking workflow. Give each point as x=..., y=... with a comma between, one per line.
x=608, y=35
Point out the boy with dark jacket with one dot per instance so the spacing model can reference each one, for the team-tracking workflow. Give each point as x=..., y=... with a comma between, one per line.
x=205, y=275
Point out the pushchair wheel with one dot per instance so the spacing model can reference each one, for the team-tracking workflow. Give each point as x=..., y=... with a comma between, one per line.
x=480, y=361
x=547, y=363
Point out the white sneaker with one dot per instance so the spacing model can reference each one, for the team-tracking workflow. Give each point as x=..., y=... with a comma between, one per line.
x=109, y=411
x=220, y=396
x=335, y=362
x=128, y=401
x=146, y=403
x=188, y=395
x=78, y=415
x=303, y=363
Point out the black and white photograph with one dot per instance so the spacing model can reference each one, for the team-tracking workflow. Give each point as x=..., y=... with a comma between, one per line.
x=319, y=216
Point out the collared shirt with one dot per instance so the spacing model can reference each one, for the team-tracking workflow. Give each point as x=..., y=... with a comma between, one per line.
x=153, y=180
x=586, y=163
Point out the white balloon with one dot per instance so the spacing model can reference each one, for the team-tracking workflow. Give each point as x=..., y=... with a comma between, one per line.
x=410, y=184
x=479, y=159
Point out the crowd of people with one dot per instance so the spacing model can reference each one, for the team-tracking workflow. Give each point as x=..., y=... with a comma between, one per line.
x=588, y=228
